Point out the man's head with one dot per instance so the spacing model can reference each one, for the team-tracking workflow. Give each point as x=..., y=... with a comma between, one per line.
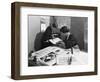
x=64, y=29
x=54, y=25
x=64, y=32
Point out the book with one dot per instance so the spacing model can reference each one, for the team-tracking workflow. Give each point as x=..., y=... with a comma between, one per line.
x=55, y=40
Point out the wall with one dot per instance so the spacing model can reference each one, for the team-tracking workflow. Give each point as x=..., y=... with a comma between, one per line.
x=33, y=30
x=5, y=41
x=63, y=21
x=78, y=26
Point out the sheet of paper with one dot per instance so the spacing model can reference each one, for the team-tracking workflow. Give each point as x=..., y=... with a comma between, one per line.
x=54, y=41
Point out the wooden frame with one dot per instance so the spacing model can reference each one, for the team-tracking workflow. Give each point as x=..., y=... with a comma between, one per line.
x=15, y=40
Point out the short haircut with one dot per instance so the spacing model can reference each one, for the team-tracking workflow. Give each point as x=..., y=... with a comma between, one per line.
x=54, y=25
x=64, y=29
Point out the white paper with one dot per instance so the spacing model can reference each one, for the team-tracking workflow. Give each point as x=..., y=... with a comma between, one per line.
x=55, y=40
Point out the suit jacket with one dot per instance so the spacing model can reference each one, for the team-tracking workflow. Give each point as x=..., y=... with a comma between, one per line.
x=69, y=41
x=48, y=35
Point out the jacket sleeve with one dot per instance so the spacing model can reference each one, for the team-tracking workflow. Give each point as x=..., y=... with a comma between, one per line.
x=70, y=42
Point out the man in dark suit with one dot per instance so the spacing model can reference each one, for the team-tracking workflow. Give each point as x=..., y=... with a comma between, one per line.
x=67, y=37
x=50, y=33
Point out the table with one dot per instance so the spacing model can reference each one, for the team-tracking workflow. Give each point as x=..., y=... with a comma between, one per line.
x=61, y=57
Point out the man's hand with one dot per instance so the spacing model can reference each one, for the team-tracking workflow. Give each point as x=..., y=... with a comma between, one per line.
x=61, y=44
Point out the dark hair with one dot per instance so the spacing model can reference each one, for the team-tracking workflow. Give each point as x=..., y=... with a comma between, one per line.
x=64, y=29
x=54, y=25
